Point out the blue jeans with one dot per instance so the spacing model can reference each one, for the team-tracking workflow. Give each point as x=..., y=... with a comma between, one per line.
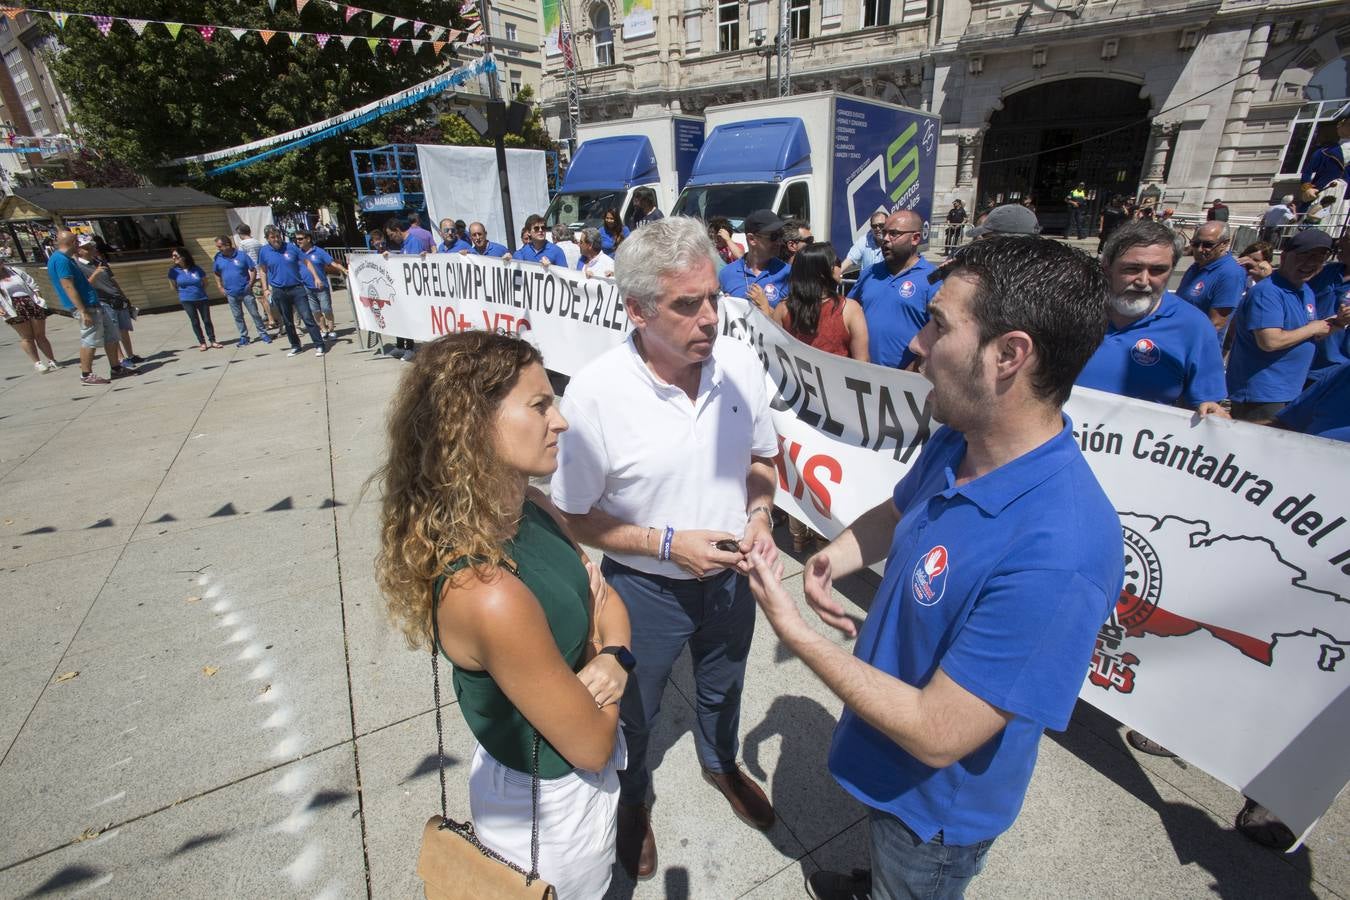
x=199, y=314
x=239, y=303
x=905, y=868
x=716, y=618
x=289, y=301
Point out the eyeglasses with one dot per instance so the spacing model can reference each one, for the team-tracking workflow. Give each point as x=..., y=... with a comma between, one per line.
x=804, y=241
x=537, y=228
x=1207, y=245
x=895, y=233
x=877, y=226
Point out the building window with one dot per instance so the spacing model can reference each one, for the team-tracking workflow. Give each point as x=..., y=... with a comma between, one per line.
x=693, y=24
x=876, y=12
x=28, y=94
x=511, y=35
x=515, y=83
x=728, y=25
x=801, y=19
x=1313, y=127
x=831, y=11
x=604, y=35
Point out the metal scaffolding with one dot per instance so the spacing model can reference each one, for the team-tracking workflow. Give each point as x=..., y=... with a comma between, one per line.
x=784, y=45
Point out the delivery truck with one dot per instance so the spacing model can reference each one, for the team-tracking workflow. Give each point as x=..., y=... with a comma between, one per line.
x=830, y=159
x=614, y=159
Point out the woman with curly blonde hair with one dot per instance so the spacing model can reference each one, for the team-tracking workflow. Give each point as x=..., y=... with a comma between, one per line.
x=478, y=564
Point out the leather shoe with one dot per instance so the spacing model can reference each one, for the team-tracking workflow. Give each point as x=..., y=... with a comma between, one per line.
x=635, y=845
x=746, y=798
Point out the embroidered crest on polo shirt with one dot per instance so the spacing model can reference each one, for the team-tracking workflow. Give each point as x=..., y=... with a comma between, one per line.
x=770, y=291
x=1145, y=352
x=907, y=289
x=929, y=580
x=1198, y=288
x=1312, y=311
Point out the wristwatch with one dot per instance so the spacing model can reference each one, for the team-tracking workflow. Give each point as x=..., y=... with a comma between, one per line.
x=623, y=655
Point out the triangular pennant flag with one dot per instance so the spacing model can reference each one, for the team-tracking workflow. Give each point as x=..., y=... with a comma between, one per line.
x=373, y=42
x=272, y=5
x=295, y=37
x=351, y=11
x=173, y=28
x=398, y=23
x=453, y=36
x=300, y=5
x=476, y=37
x=418, y=26
x=376, y=18
x=394, y=44
x=346, y=40
x=13, y=13
x=238, y=33
x=437, y=47
x=266, y=35
x=417, y=45
x=208, y=32
x=104, y=23
x=435, y=33
x=323, y=39
x=59, y=18
x=138, y=25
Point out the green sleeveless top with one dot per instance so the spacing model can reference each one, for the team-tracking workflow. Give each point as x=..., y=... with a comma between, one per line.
x=548, y=565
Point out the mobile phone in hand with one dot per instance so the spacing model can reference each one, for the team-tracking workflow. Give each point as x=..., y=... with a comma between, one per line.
x=728, y=545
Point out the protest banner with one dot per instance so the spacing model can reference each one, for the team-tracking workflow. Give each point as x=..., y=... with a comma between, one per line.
x=1229, y=641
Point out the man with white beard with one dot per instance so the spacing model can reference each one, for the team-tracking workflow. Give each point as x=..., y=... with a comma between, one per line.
x=1157, y=346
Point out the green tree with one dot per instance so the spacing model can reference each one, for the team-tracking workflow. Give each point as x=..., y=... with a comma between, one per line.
x=456, y=132
x=150, y=98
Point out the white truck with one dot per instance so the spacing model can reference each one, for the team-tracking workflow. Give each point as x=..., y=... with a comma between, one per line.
x=830, y=159
x=614, y=159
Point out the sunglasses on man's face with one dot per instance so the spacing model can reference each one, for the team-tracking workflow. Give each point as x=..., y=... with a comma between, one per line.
x=877, y=226
x=1206, y=245
x=803, y=241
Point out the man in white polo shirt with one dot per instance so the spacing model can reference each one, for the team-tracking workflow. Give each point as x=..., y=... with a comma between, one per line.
x=668, y=467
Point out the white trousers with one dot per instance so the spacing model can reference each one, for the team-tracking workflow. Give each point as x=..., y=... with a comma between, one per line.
x=576, y=820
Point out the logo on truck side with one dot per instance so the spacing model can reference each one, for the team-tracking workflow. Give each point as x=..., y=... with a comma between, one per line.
x=896, y=172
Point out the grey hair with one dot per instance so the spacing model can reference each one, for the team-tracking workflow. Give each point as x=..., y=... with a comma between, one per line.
x=561, y=233
x=271, y=230
x=1140, y=233
x=656, y=251
x=591, y=236
x=1224, y=231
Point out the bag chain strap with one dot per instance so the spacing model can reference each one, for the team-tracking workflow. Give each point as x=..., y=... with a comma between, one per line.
x=465, y=829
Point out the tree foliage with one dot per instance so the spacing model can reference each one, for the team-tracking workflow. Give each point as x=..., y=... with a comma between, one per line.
x=147, y=99
x=456, y=132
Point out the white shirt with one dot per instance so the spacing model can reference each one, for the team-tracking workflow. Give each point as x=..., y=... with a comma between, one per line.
x=639, y=450
x=571, y=252
x=1277, y=215
x=601, y=266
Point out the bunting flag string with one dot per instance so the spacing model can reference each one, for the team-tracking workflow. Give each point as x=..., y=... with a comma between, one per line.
x=354, y=118
x=208, y=31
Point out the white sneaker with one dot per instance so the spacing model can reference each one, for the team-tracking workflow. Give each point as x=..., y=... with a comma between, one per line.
x=295, y=351
x=41, y=369
x=52, y=365
x=318, y=351
x=332, y=335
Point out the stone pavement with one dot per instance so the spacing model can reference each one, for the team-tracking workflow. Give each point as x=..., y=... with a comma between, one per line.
x=200, y=696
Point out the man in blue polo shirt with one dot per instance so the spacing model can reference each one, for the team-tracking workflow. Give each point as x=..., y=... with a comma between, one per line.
x=1323, y=409
x=539, y=250
x=451, y=242
x=894, y=293
x=235, y=274
x=1215, y=282
x=412, y=239
x=1331, y=293
x=759, y=276
x=279, y=263
x=1273, y=349
x=479, y=245
x=1003, y=559
x=1157, y=347
x=97, y=321
x=866, y=251
x=318, y=290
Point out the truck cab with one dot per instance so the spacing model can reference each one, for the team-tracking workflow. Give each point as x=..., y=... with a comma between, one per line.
x=603, y=175
x=745, y=166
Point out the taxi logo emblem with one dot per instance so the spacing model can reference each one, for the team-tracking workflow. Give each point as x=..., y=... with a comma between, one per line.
x=1145, y=352
x=907, y=289
x=1198, y=288
x=929, y=581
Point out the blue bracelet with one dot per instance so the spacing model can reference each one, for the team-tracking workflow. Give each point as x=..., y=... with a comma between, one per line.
x=667, y=539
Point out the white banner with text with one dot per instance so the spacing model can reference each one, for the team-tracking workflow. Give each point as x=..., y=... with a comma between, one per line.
x=1229, y=643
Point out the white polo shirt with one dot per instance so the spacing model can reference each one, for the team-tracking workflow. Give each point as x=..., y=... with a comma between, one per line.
x=601, y=266
x=641, y=451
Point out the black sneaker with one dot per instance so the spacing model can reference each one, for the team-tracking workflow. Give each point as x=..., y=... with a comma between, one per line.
x=823, y=885
x=122, y=372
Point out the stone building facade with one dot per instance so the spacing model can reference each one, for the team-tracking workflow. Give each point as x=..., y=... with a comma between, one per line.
x=1194, y=97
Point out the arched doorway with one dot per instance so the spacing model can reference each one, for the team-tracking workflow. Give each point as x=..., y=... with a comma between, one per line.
x=1048, y=138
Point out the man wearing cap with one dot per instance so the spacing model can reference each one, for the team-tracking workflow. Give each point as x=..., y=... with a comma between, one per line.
x=1157, y=347
x=866, y=251
x=1326, y=164
x=759, y=276
x=1273, y=348
x=894, y=293
x=1077, y=203
x=1010, y=219
x=1216, y=281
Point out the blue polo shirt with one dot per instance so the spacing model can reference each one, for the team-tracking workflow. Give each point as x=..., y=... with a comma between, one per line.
x=1218, y=285
x=493, y=249
x=607, y=240
x=320, y=258
x=1323, y=407
x=1260, y=376
x=418, y=240
x=233, y=271
x=896, y=309
x=190, y=283
x=550, y=252
x=62, y=266
x=1166, y=356
x=1001, y=582
x=736, y=279
x=1330, y=292
x=283, y=266
x=458, y=245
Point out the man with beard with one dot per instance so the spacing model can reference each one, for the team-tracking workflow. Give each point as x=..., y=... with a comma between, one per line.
x=1003, y=559
x=894, y=293
x=1216, y=281
x=1157, y=347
